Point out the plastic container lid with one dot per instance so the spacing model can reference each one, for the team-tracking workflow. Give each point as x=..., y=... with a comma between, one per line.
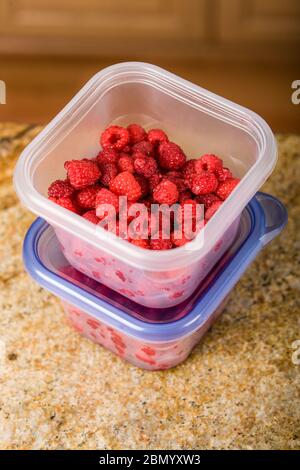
x=262, y=220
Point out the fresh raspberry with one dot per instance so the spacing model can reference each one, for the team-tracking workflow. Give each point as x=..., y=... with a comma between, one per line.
x=188, y=169
x=104, y=196
x=204, y=183
x=212, y=210
x=144, y=184
x=141, y=242
x=225, y=188
x=190, y=217
x=125, y=163
x=178, y=241
x=144, y=147
x=156, y=136
x=127, y=149
x=109, y=172
x=154, y=180
x=145, y=166
x=107, y=156
x=165, y=192
x=223, y=174
x=207, y=199
x=115, y=137
x=136, y=133
x=91, y=216
x=125, y=184
x=60, y=188
x=86, y=198
x=82, y=173
x=176, y=178
x=66, y=202
x=171, y=157
x=208, y=162
x=160, y=243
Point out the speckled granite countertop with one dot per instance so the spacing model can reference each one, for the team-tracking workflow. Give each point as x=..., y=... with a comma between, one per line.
x=238, y=389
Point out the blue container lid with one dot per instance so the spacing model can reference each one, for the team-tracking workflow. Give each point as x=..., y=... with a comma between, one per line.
x=261, y=221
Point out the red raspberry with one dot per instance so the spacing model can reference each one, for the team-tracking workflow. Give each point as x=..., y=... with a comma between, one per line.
x=104, y=196
x=204, y=183
x=82, y=173
x=212, y=210
x=66, y=202
x=107, y=156
x=223, y=174
x=208, y=162
x=115, y=137
x=171, y=157
x=165, y=192
x=145, y=166
x=109, y=172
x=177, y=179
x=60, y=188
x=156, y=136
x=143, y=147
x=136, y=133
x=154, y=181
x=207, y=199
x=86, y=198
x=125, y=163
x=91, y=216
x=178, y=241
x=188, y=169
x=225, y=188
x=125, y=184
x=142, y=243
x=160, y=243
x=143, y=182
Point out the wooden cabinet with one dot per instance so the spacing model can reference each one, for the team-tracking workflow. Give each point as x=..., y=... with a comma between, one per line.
x=145, y=28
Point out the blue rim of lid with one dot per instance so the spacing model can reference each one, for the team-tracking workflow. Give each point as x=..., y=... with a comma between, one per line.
x=267, y=215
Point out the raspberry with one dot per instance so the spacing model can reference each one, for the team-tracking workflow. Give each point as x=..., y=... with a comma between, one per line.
x=208, y=162
x=165, y=192
x=66, y=202
x=109, y=172
x=143, y=147
x=178, y=241
x=225, y=188
x=145, y=166
x=140, y=242
x=91, y=216
x=154, y=181
x=115, y=137
x=60, y=188
x=188, y=169
x=104, y=196
x=143, y=182
x=125, y=184
x=207, y=199
x=223, y=174
x=177, y=179
x=82, y=173
x=136, y=133
x=171, y=157
x=107, y=156
x=160, y=243
x=204, y=183
x=156, y=136
x=212, y=210
x=86, y=198
x=125, y=163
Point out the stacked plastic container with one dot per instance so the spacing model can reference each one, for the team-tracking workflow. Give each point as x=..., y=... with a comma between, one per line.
x=149, y=307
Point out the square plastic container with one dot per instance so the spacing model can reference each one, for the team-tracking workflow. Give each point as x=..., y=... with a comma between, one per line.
x=199, y=121
x=149, y=338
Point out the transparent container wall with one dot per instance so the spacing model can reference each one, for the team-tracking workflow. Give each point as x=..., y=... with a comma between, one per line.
x=146, y=355
x=194, y=129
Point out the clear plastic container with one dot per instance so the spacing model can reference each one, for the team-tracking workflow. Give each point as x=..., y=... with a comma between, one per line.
x=149, y=338
x=196, y=119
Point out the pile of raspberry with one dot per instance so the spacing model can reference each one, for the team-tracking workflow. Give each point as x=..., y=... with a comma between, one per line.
x=147, y=168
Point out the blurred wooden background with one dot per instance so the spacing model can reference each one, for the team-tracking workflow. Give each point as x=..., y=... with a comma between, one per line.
x=245, y=50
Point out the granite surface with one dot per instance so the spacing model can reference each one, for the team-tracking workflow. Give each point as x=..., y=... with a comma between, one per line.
x=238, y=389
